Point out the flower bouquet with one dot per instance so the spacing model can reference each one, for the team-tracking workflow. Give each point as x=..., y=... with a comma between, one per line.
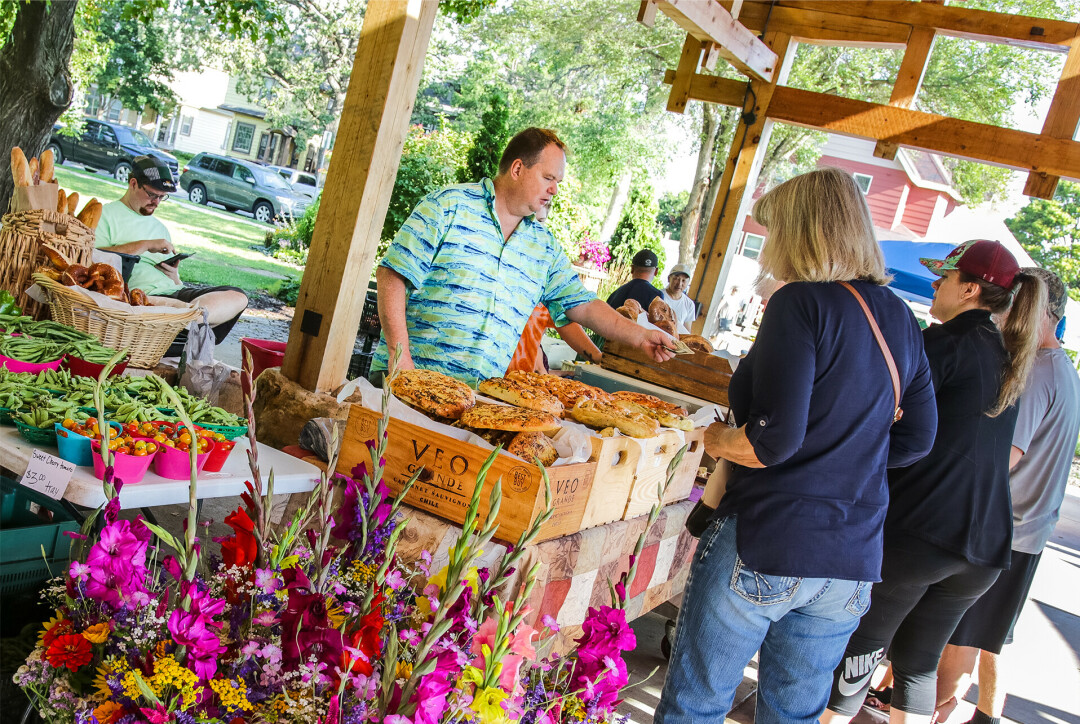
x=594, y=252
x=317, y=620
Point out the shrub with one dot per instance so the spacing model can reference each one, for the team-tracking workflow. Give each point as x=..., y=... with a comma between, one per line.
x=429, y=161
x=637, y=229
x=287, y=290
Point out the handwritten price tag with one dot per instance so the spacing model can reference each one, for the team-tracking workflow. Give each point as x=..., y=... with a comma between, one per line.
x=48, y=474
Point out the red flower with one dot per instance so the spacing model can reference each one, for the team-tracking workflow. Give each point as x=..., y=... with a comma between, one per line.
x=366, y=641
x=241, y=548
x=61, y=627
x=70, y=650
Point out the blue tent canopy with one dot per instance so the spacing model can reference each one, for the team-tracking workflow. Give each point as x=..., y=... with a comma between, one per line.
x=911, y=280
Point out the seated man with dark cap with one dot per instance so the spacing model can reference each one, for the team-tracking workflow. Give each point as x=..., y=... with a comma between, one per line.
x=128, y=226
x=640, y=288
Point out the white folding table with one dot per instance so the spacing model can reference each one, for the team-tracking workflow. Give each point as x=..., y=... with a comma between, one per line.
x=291, y=475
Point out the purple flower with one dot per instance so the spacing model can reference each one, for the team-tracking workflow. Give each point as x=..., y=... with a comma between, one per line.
x=395, y=580
x=549, y=622
x=79, y=571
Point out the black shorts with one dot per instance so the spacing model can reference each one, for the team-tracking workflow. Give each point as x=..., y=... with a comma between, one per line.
x=988, y=624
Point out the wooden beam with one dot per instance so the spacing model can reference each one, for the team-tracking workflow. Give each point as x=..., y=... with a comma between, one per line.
x=1061, y=120
x=744, y=161
x=708, y=20
x=955, y=20
x=908, y=80
x=647, y=13
x=820, y=28
x=928, y=131
x=372, y=130
x=689, y=62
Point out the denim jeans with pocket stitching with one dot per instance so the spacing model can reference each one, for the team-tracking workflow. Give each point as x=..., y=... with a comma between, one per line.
x=730, y=612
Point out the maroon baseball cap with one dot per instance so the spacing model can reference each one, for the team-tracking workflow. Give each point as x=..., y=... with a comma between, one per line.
x=987, y=260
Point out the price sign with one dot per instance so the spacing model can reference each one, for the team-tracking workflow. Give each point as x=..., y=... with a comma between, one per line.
x=47, y=474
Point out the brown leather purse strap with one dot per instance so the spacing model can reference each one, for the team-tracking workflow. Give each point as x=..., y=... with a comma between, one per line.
x=893, y=374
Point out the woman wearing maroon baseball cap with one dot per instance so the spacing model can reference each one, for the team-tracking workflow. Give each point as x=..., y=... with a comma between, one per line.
x=948, y=531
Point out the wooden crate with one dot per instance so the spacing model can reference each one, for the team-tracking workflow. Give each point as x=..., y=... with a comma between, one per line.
x=700, y=375
x=652, y=472
x=616, y=460
x=446, y=484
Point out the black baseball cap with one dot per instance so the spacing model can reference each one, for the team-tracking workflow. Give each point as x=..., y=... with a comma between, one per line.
x=151, y=171
x=646, y=259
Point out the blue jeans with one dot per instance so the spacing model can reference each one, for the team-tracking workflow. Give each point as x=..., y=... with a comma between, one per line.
x=800, y=625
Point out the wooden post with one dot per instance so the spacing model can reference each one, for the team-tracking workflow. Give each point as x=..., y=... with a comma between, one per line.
x=908, y=80
x=689, y=61
x=744, y=161
x=1061, y=120
x=371, y=133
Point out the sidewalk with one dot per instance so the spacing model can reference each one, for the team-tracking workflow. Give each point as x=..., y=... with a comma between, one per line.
x=1043, y=664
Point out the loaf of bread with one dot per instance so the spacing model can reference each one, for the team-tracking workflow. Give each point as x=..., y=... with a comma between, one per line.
x=72, y=202
x=61, y=201
x=46, y=166
x=91, y=213
x=20, y=169
x=697, y=343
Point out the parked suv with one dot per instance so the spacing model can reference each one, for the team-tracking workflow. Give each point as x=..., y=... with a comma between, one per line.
x=302, y=182
x=107, y=146
x=237, y=184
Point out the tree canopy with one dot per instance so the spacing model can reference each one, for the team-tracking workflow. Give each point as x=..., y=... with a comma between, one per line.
x=1049, y=230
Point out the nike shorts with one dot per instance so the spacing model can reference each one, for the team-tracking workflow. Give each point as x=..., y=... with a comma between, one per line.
x=988, y=624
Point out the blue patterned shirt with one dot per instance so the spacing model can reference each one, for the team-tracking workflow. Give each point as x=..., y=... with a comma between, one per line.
x=469, y=292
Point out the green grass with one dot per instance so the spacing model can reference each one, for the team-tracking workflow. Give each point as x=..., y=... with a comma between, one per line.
x=222, y=240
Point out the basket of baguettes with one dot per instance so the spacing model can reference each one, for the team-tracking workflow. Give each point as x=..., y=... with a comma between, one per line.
x=94, y=299
x=41, y=213
x=621, y=475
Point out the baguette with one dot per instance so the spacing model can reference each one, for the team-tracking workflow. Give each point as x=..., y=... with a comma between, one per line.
x=45, y=165
x=61, y=201
x=20, y=169
x=91, y=213
x=72, y=202
x=35, y=175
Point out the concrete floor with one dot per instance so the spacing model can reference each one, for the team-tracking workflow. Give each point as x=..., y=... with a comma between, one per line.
x=1043, y=664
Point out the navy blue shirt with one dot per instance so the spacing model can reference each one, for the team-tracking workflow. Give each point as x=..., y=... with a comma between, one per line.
x=957, y=497
x=815, y=395
x=638, y=289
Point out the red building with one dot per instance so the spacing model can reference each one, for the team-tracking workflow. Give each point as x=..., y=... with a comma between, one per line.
x=907, y=196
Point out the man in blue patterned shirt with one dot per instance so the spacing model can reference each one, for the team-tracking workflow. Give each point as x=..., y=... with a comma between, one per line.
x=471, y=262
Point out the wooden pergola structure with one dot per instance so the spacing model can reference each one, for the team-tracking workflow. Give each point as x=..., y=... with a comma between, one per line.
x=758, y=38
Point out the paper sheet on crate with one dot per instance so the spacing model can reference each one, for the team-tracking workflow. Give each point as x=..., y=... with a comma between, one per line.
x=572, y=441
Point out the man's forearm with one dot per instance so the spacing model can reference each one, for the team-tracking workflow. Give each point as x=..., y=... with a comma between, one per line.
x=131, y=247
x=392, y=296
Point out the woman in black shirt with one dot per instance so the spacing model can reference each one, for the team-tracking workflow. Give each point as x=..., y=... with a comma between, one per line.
x=948, y=531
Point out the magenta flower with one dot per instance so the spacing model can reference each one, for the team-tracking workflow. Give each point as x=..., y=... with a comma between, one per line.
x=605, y=633
x=79, y=571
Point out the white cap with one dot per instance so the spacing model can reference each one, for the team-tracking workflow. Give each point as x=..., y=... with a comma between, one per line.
x=682, y=269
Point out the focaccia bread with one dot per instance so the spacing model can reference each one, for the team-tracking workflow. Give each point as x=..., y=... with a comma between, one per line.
x=568, y=391
x=665, y=418
x=433, y=392
x=532, y=445
x=626, y=312
x=600, y=415
x=517, y=393
x=650, y=401
x=697, y=343
x=505, y=417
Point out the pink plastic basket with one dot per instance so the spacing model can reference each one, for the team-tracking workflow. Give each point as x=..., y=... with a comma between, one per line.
x=175, y=464
x=129, y=468
x=15, y=365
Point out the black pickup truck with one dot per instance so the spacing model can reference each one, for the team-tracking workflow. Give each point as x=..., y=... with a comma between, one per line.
x=107, y=146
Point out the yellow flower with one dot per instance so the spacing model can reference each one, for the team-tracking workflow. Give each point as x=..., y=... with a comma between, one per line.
x=335, y=613
x=472, y=577
x=57, y=618
x=403, y=670
x=472, y=675
x=487, y=703
x=97, y=633
x=231, y=693
x=105, y=669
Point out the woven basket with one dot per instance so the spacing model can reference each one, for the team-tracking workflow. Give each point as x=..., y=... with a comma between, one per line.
x=20, y=248
x=146, y=335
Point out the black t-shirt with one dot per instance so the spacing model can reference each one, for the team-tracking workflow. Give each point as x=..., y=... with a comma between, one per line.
x=638, y=289
x=957, y=497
